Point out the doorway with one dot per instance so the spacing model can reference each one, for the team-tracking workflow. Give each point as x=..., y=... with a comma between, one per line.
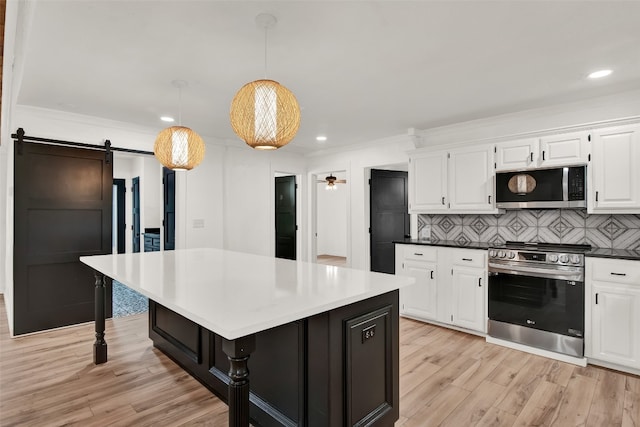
x=331, y=228
x=147, y=173
x=135, y=228
x=119, y=209
x=389, y=216
x=285, y=217
x=169, y=209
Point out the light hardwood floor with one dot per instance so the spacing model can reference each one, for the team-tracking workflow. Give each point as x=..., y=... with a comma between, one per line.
x=338, y=261
x=447, y=378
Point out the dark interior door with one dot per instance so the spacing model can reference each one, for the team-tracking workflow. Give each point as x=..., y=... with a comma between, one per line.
x=120, y=214
x=169, y=222
x=135, y=228
x=389, y=217
x=286, y=217
x=63, y=210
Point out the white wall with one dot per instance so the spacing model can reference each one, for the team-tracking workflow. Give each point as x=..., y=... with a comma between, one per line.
x=201, y=191
x=6, y=228
x=332, y=219
x=249, y=192
x=151, y=193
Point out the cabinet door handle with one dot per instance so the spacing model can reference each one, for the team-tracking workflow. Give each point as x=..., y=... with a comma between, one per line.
x=543, y=155
x=532, y=156
x=596, y=298
x=443, y=200
x=467, y=259
x=596, y=196
x=618, y=274
x=480, y=282
x=489, y=199
x=419, y=254
x=431, y=274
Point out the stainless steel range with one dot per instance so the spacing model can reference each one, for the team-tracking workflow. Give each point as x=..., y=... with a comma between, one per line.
x=536, y=295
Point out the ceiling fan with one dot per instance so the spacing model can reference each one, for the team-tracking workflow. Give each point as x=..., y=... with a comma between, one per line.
x=332, y=181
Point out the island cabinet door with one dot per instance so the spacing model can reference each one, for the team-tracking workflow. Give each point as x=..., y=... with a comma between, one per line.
x=353, y=364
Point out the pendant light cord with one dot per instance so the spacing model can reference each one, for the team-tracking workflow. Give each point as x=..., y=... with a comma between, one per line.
x=266, y=32
x=179, y=106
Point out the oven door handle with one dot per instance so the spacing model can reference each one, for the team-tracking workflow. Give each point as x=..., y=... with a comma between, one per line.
x=577, y=276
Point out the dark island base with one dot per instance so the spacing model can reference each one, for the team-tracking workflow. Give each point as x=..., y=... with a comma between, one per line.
x=338, y=368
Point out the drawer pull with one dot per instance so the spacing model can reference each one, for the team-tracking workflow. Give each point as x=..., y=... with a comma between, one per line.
x=467, y=259
x=480, y=282
x=443, y=200
x=618, y=274
x=432, y=274
x=419, y=254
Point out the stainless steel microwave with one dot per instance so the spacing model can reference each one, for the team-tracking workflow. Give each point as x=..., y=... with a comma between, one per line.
x=563, y=187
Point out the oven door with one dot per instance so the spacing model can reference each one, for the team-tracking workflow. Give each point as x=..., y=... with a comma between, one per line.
x=545, y=303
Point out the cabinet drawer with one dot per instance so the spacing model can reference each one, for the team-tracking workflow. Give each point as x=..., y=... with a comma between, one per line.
x=468, y=258
x=617, y=271
x=420, y=253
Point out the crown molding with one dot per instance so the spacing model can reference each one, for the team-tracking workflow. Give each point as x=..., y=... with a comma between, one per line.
x=611, y=110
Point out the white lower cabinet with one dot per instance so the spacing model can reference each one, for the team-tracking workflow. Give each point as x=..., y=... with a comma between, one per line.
x=419, y=262
x=450, y=285
x=468, y=299
x=613, y=311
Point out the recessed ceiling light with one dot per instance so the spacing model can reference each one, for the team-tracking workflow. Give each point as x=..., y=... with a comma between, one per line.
x=321, y=138
x=599, y=74
x=167, y=119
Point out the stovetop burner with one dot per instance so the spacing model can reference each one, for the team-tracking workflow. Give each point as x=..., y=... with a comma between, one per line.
x=548, y=247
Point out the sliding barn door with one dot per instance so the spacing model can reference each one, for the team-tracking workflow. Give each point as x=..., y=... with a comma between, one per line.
x=62, y=211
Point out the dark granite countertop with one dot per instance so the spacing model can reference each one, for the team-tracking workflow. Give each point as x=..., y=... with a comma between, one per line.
x=629, y=254
x=614, y=253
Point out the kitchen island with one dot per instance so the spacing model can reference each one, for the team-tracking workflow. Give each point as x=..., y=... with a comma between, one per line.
x=323, y=340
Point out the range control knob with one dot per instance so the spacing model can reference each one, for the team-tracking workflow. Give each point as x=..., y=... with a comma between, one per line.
x=564, y=258
x=553, y=257
x=501, y=254
x=575, y=259
x=492, y=253
x=512, y=255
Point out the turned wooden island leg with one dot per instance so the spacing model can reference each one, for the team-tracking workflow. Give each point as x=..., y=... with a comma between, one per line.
x=238, y=352
x=100, y=345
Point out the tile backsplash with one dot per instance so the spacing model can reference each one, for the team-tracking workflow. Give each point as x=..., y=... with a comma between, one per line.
x=573, y=226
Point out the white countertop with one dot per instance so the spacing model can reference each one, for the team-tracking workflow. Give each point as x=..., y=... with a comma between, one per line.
x=235, y=294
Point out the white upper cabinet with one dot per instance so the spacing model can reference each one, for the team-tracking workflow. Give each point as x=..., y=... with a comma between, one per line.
x=614, y=173
x=516, y=155
x=458, y=181
x=428, y=182
x=555, y=150
x=564, y=149
x=471, y=180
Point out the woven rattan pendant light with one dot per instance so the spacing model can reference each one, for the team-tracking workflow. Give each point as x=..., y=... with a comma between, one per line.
x=265, y=114
x=178, y=147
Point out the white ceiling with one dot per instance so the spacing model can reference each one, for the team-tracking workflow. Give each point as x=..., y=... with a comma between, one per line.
x=361, y=70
